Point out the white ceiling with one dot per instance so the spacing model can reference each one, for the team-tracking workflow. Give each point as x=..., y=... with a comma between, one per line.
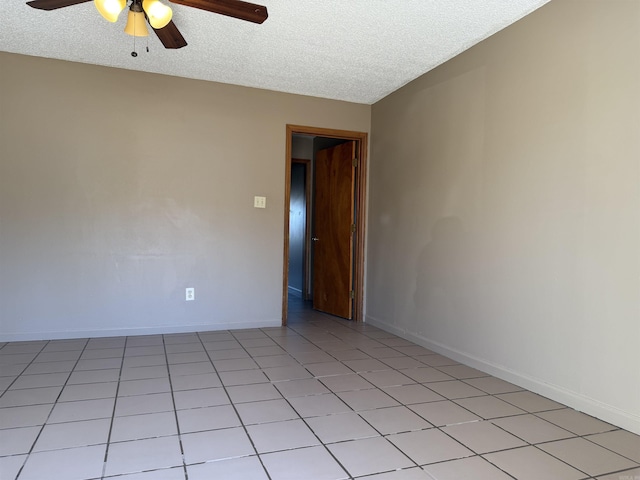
x=356, y=50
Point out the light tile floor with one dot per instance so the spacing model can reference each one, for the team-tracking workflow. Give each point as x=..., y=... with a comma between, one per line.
x=323, y=399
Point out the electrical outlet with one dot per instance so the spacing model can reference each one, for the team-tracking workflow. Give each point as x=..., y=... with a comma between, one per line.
x=260, y=202
x=190, y=294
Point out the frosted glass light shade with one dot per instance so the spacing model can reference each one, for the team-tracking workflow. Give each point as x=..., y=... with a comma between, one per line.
x=136, y=24
x=110, y=9
x=159, y=14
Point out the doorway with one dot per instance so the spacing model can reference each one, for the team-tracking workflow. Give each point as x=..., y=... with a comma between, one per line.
x=357, y=166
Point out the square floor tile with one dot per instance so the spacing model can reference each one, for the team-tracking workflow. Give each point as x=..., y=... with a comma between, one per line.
x=367, y=399
x=70, y=464
x=415, y=473
x=529, y=463
x=191, y=368
x=576, y=422
x=483, y=437
x=587, y=457
x=141, y=455
x=266, y=411
x=633, y=474
x=426, y=374
x=143, y=361
x=246, y=468
x=394, y=420
x=265, y=351
x=57, y=356
x=366, y=365
x=345, y=383
x=489, y=407
x=387, y=378
x=216, y=445
x=301, y=388
x=493, y=385
x=93, y=354
x=142, y=373
x=207, y=418
x=10, y=466
x=349, y=355
x=429, y=446
x=193, y=382
x=455, y=389
x=443, y=413
x=89, y=391
x=622, y=442
x=138, y=351
x=318, y=405
x=94, y=376
x=275, y=361
x=140, y=404
x=410, y=394
x=50, y=367
x=142, y=387
x=13, y=417
x=40, y=381
x=73, y=434
x=82, y=410
x=293, y=372
x=271, y=437
x=328, y=368
x=296, y=464
x=402, y=362
x=206, y=397
x=233, y=364
x=530, y=401
x=532, y=429
x=30, y=396
x=187, y=357
x=137, y=427
x=475, y=468
x=369, y=455
x=341, y=427
x=243, y=377
x=253, y=393
x=15, y=441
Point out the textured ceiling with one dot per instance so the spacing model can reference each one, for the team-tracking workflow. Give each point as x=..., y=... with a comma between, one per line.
x=356, y=50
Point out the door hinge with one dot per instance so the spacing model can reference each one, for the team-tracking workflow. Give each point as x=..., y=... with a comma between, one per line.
x=354, y=162
x=353, y=228
x=352, y=294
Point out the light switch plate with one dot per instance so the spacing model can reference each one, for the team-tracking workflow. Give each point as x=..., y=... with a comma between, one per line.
x=260, y=202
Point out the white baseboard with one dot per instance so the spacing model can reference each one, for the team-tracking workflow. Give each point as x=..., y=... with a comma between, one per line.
x=119, y=332
x=575, y=400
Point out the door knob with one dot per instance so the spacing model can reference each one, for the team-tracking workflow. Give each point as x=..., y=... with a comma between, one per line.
x=315, y=239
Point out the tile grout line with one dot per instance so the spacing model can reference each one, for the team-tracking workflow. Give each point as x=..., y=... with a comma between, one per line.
x=113, y=412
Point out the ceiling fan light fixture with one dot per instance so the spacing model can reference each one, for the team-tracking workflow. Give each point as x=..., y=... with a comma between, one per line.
x=110, y=9
x=136, y=22
x=158, y=13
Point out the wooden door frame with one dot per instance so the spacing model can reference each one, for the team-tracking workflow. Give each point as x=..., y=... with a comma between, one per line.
x=361, y=196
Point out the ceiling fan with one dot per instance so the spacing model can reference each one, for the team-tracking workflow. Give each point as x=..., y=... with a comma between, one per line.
x=159, y=15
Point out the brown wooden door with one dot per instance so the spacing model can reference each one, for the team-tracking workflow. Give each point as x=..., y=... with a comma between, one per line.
x=333, y=236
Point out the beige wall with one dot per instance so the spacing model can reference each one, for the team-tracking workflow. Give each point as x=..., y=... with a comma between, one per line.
x=504, y=224
x=120, y=189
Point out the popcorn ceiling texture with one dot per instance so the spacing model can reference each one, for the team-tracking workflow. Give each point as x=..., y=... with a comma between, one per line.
x=358, y=50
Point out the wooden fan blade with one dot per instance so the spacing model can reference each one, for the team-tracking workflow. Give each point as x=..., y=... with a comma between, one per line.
x=54, y=4
x=231, y=8
x=170, y=36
